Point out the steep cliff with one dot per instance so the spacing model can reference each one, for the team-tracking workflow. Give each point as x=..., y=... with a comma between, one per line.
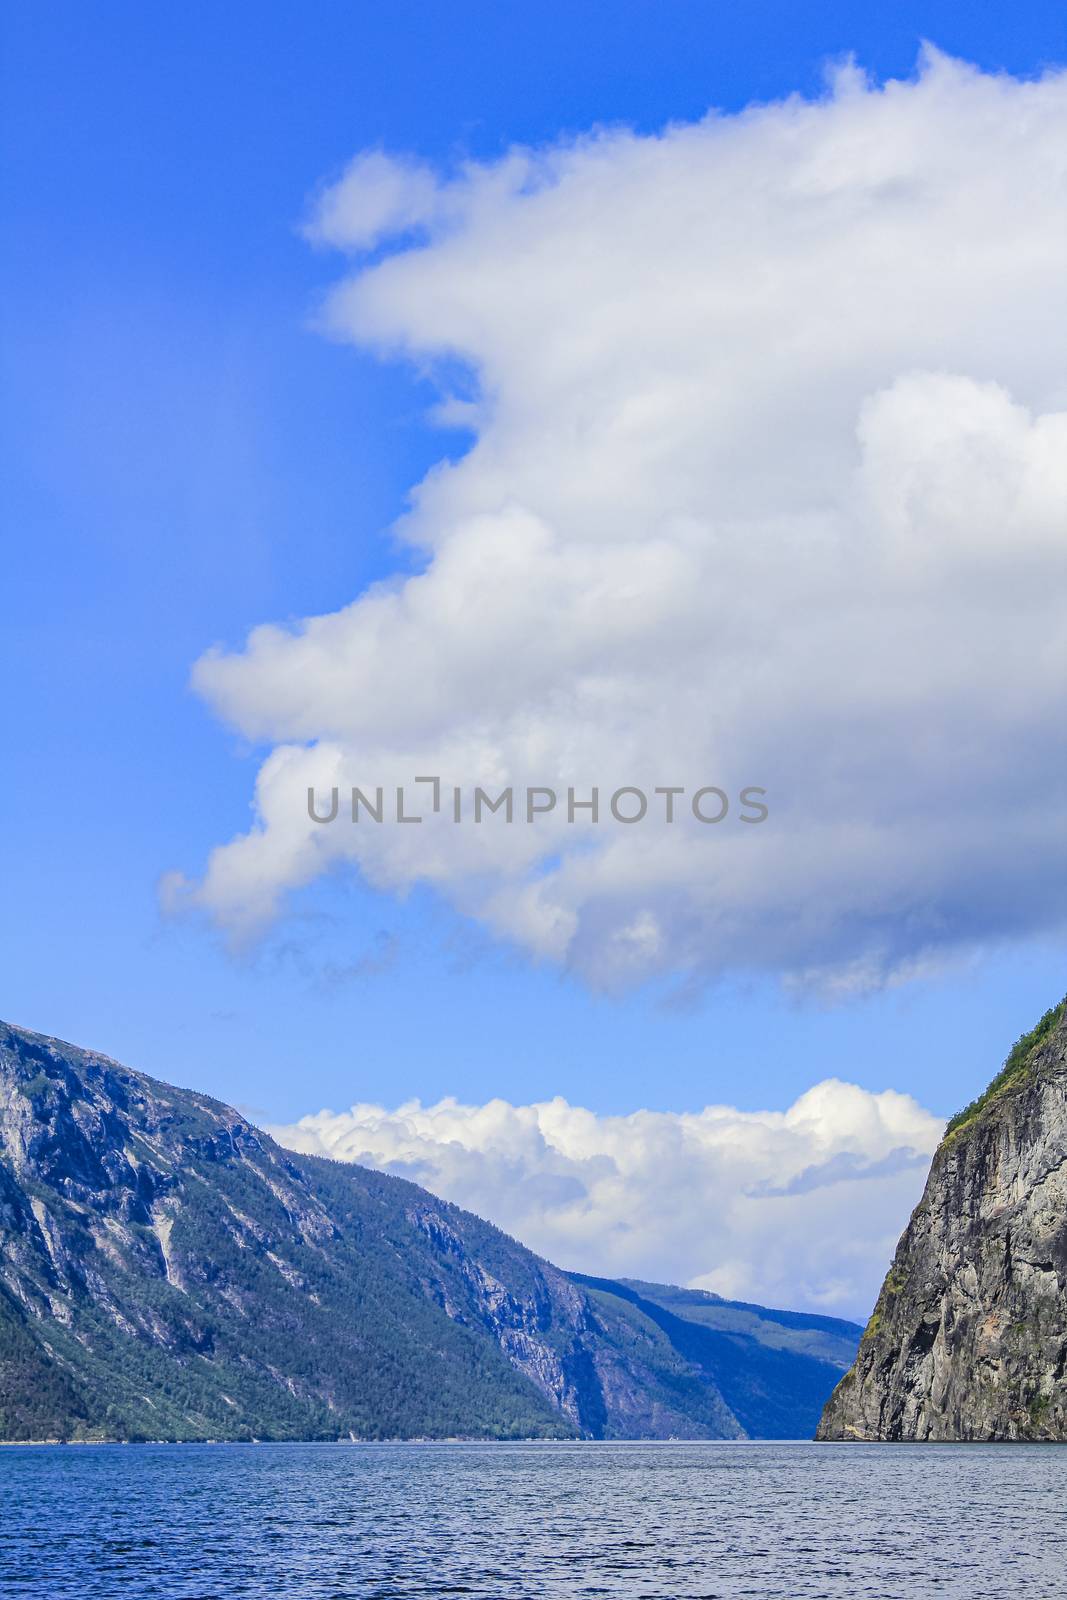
x=968, y=1340
x=167, y=1271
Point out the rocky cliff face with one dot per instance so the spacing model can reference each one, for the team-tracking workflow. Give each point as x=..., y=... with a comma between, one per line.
x=167, y=1271
x=968, y=1340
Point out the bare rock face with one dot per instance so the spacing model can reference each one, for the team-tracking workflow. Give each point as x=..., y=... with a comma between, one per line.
x=968, y=1340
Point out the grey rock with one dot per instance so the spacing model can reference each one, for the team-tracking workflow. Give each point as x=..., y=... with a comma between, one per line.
x=968, y=1340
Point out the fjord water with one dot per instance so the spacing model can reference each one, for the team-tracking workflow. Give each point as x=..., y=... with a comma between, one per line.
x=661, y=1521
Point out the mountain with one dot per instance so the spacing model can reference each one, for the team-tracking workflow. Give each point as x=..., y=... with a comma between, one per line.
x=168, y=1272
x=773, y=1372
x=968, y=1340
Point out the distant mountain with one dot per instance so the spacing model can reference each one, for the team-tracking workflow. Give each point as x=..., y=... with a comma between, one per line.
x=968, y=1340
x=168, y=1272
x=772, y=1368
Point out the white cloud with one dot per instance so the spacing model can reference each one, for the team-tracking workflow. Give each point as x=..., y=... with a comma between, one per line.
x=377, y=197
x=798, y=1208
x=768, y=486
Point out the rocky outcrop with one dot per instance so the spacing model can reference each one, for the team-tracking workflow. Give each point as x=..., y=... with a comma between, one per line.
x=968, y=1340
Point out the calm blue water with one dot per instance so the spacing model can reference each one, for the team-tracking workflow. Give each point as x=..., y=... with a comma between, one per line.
x=659, y=1521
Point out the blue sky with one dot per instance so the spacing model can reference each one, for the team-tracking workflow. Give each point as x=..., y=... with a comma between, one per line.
x=187, y=458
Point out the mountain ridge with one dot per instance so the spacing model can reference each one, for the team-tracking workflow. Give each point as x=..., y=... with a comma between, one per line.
x=168, y=1271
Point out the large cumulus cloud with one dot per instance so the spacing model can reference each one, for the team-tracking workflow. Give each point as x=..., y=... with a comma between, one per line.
x=800, y=1207
x=767, y=485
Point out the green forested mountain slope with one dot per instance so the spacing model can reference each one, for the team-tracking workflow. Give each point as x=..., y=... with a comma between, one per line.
x=169, y=1272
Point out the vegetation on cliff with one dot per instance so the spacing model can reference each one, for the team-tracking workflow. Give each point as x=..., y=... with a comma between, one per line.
x=1013, y=1068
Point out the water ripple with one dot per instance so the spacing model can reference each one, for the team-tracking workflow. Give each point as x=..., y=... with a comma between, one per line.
x=546, y=1521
